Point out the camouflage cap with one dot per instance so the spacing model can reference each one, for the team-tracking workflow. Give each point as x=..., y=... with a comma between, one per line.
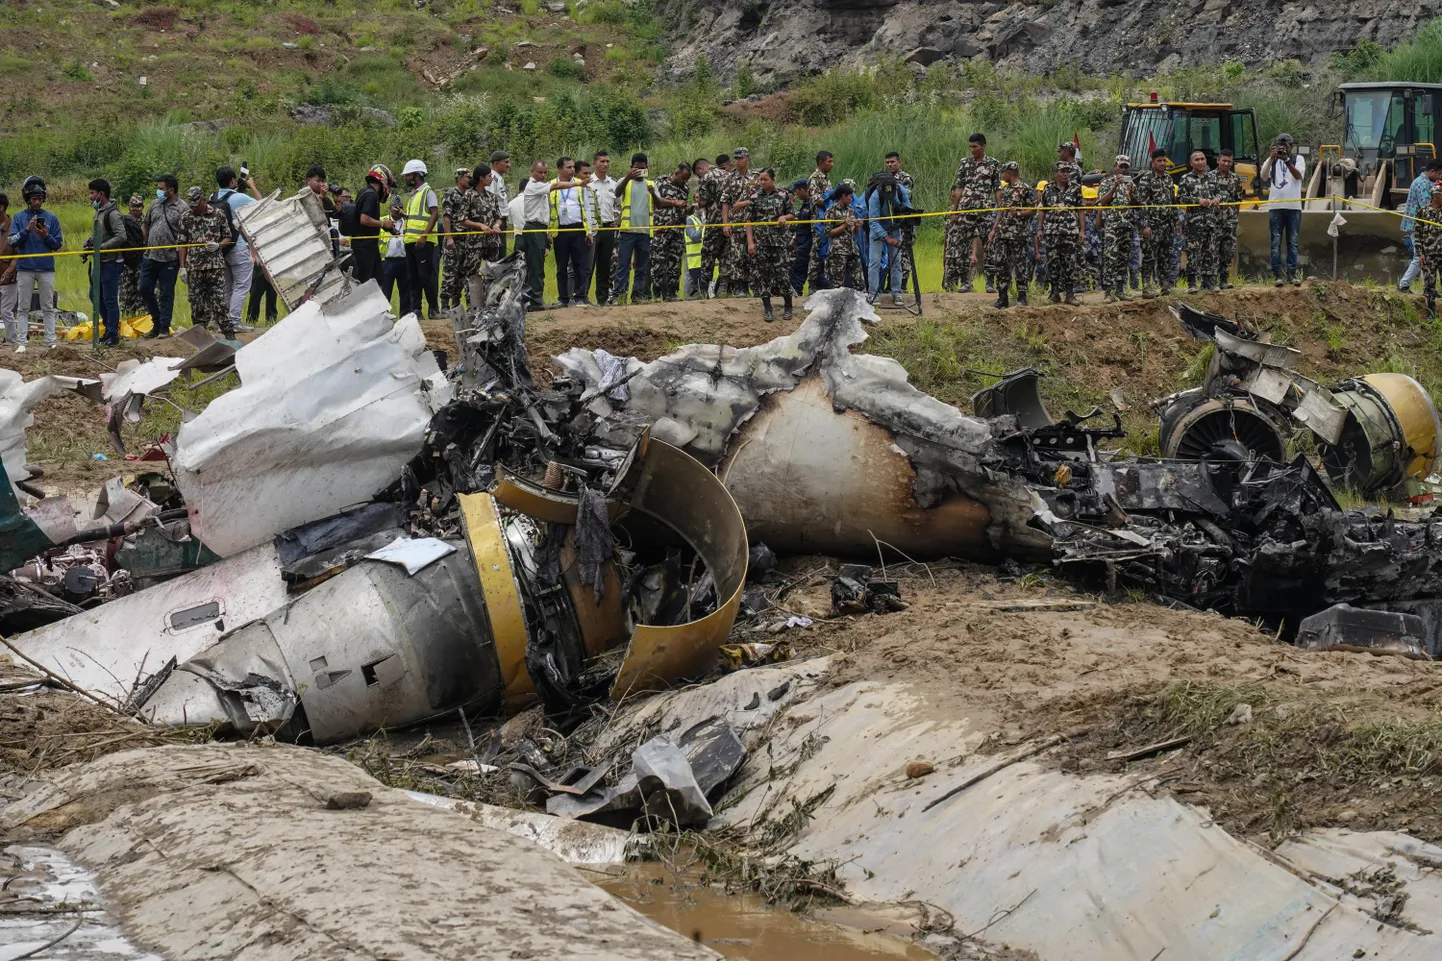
x=1123, y=160
x=397, y=203
x=740, y=152
x=1010, y=165
x=848, y=182
x=194, y=196
x=1437, y=189
x=463, y=171
x=136, y=201
x=1062, y=165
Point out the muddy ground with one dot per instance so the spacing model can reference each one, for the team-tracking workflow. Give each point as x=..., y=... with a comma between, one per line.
x=1277, y=740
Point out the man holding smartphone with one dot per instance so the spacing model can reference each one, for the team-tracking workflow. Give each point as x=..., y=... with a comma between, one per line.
x=1282, y=172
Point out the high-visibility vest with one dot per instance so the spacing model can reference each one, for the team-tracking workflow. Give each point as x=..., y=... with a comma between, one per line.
x=694, y=225
x=626, y=203
x=418, y=215
x=584, y=199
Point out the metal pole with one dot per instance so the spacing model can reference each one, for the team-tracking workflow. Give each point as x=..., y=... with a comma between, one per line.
x=95, y=286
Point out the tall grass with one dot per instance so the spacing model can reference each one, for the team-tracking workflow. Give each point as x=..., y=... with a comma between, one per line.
x=1419, y=61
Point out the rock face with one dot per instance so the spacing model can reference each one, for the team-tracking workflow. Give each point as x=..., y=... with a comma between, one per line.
x=782, y=40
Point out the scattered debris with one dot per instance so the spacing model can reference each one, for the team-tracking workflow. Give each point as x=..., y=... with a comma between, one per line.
x=1343, y=627
x=856, y=591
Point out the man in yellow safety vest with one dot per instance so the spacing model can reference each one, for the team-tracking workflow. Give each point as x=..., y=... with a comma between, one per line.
x=422, y=212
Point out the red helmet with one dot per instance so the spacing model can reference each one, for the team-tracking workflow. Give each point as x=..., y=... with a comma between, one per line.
x=381, y=174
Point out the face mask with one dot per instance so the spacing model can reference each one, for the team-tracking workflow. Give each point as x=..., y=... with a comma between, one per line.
x=160, y=195
x=95, y=204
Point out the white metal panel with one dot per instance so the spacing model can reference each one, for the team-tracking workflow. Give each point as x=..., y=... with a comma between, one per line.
x=105, y=649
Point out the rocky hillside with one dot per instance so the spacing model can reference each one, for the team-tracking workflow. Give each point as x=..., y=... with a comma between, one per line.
x=781, y=40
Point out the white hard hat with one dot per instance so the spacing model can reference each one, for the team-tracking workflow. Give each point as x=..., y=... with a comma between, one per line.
x=414, y=167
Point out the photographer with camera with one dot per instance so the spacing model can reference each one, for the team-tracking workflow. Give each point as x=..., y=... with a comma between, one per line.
x=885, y=199
x=1283, y=172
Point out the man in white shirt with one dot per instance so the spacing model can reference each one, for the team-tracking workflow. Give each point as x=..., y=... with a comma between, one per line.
x=535, y=217
x=500, y=169
x=603, y=252
x=1283, y=173
x=575, y=230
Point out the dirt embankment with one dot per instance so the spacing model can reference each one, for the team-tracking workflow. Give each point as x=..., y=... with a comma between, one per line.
x=1269, y=738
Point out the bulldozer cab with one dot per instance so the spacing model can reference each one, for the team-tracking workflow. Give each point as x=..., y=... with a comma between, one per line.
x=1181, y=128
x=1390, y=134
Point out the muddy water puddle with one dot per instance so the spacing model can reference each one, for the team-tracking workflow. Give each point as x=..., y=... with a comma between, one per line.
x=744, y=926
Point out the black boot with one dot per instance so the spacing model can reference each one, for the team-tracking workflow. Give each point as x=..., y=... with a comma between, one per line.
x=1431, y=307
x=786, y=307
x=768, y=314
x=1225, y=278
x=1021, y=294
x=1002, y=300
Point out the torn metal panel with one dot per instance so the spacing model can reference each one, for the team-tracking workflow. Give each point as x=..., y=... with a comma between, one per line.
x=1343, y=627
x=291, y=242
x=709, y=399
x=661, y=786
x=1018, y=394
x=681, y=493
x=108, y=649
x=17, y=397
x=334, y=400
x=211, y=353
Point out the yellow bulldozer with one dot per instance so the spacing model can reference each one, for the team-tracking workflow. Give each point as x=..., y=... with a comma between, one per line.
x=1388, y=137
x=1181, y=128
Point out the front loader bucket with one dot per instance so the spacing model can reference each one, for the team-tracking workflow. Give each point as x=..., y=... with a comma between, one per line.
x=1369, y=244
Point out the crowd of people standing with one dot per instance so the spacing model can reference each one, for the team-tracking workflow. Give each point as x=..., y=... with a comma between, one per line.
x=707, y=228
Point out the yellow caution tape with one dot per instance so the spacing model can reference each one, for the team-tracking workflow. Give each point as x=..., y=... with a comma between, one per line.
x=790, y=223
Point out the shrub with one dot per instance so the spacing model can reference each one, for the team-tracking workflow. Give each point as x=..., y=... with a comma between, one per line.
x=565, y=68
x=157, y=18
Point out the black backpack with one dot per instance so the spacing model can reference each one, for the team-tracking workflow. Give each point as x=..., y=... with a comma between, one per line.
x=349, y=219
x=890, y=190
x=220, y=202
x=134, y=237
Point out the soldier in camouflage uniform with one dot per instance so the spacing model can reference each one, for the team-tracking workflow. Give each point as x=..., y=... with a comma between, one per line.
x=1230, y=191
x=1063, y=232
x=843, y=262
x=1007, y=258
x=708, y=205
x=768, y=242
x=735, y=277
x=481, y=219
x=668, y=243
x=817, y=186
x=1198, y=192
x=453, y=277
x=1158, y=222
x=204, y=266
x=978, y=180
x=131, y=303
x=1427, y=242
x=1117, y=190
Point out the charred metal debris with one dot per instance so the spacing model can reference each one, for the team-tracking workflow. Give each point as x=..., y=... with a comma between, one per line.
x=362, y=536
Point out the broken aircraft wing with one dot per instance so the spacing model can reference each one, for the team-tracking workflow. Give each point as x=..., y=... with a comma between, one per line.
x=334, y=400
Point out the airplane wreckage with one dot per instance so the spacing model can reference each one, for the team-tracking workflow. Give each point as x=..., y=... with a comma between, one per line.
x=357, y=538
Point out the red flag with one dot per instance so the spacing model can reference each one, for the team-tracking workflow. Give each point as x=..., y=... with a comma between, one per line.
x=1151, y=143
x=1075, y=140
